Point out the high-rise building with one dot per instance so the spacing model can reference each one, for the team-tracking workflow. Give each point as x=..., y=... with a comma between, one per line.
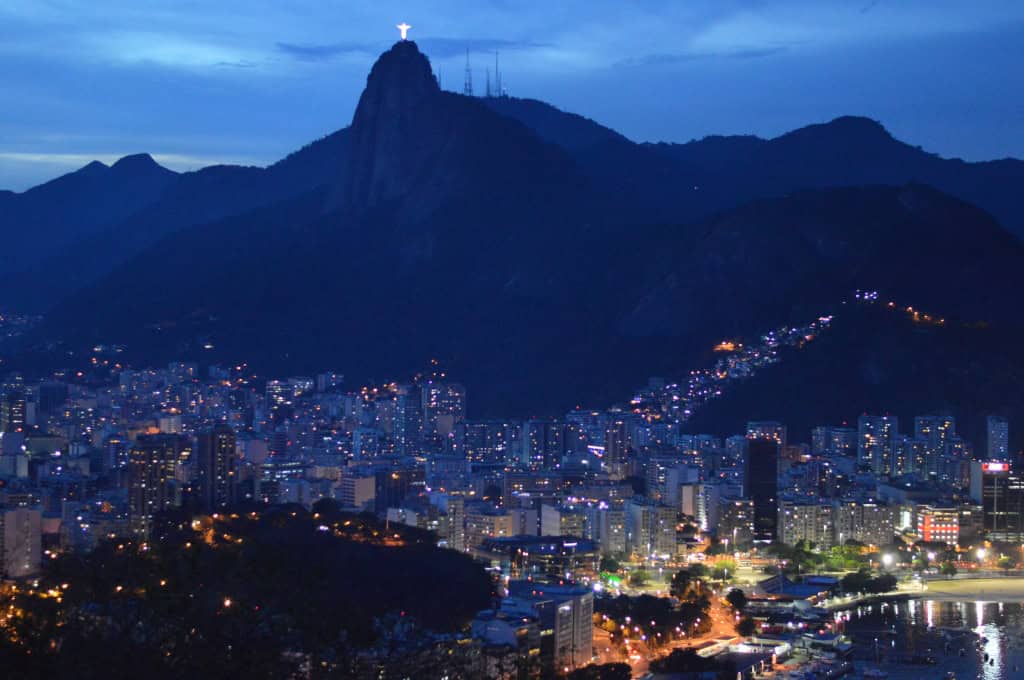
x=701, y=501
x=215, y=458
x=356, y=491
x=1001, y=495
x=663, y=531
x=938, y=524
x=940, y=433
x=638, y=528
x=329, y=382
x=874, y=442
x=543, y=444
x=736, y=520
x=865, y=522
x=153, y=463
x=819, y=440
x=455, y=507
x=12, y=411
x=607, y=526
x=842, y=441
x=813, y=522
x=909, y=455
x=444, y=406
x=561, y=521
x=665, y=474
x=566, y=615
x=52, y=395
x=761, y=485
x=408, y=422
x=486, y=441
x=998, y=437
x=616, y=444
x=21, y=536
x=484, y=522
x=767, y=429
x=590, y=424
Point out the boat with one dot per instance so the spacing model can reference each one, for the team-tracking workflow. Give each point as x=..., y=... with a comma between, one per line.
x=950, y=675
x=875, y=674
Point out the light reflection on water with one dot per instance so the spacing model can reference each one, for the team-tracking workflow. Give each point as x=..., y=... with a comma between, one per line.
x=990, y=634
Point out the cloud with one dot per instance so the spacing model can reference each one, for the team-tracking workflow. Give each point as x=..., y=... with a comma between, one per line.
x=442, y=48
x=436, y=47
x=310, y=52
x=660, y=58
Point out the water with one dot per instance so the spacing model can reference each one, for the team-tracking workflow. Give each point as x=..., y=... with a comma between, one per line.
x=991, y=635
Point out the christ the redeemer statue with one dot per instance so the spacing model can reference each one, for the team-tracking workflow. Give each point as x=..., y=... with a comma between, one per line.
x=404, y=28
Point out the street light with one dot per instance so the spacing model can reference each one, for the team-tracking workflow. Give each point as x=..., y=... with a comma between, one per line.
x=887, y=560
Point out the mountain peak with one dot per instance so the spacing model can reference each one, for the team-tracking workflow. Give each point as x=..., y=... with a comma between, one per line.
x=859, y=123
x=400, y=78
x=388, y=126
x=851, y=129
x=137, y=161
x=92, y=168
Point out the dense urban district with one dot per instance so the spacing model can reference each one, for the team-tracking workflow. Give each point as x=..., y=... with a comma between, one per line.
x=215, y=521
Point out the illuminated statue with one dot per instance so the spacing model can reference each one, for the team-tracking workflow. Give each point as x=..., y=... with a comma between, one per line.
x=404, y=28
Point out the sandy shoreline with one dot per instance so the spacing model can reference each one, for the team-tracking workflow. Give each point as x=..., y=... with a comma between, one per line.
x=975, y=589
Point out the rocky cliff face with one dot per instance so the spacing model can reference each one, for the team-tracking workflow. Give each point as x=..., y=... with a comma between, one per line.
x=416, y=150
x=388, y=149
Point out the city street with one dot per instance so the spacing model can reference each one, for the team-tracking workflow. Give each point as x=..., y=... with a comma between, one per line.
x=723, y=626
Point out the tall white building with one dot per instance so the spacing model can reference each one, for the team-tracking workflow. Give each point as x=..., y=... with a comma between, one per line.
x=22, y=536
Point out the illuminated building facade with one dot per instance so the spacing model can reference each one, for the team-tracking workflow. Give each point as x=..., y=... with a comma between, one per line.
x=938, y=525
x=997, y=440
x=874, y=443
x=1001, y=495
x=215, y=458
x=153, y=462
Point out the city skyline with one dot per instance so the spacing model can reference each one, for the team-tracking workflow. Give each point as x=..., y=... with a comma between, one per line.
x=476, y=387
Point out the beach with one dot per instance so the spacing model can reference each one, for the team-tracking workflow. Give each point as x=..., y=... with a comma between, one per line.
x=974, y=589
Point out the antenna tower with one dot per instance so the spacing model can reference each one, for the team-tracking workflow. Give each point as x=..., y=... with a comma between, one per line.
x=497, y=76
x=467, y=86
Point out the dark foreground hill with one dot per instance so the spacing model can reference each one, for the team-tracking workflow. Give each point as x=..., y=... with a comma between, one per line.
x=271, y=594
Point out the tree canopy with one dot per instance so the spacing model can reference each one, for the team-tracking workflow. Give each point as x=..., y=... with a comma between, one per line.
x=737, y=598
x=864, y=582
x=239, y=596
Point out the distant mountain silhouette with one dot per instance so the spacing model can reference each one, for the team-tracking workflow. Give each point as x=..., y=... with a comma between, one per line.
x=717, y=172
x=191, y=198
x=43, y=220
x=547, y=259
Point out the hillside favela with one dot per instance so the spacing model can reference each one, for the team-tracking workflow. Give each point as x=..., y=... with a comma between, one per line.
x=502, y=340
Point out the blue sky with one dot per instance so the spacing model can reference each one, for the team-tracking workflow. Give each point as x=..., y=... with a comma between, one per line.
x=199, y=82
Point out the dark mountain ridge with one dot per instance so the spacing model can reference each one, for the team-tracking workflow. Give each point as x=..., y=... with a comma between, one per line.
x=54, y=215
x=701, y=177
x=545, y=259
x=641, y=183
x=191, y=198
